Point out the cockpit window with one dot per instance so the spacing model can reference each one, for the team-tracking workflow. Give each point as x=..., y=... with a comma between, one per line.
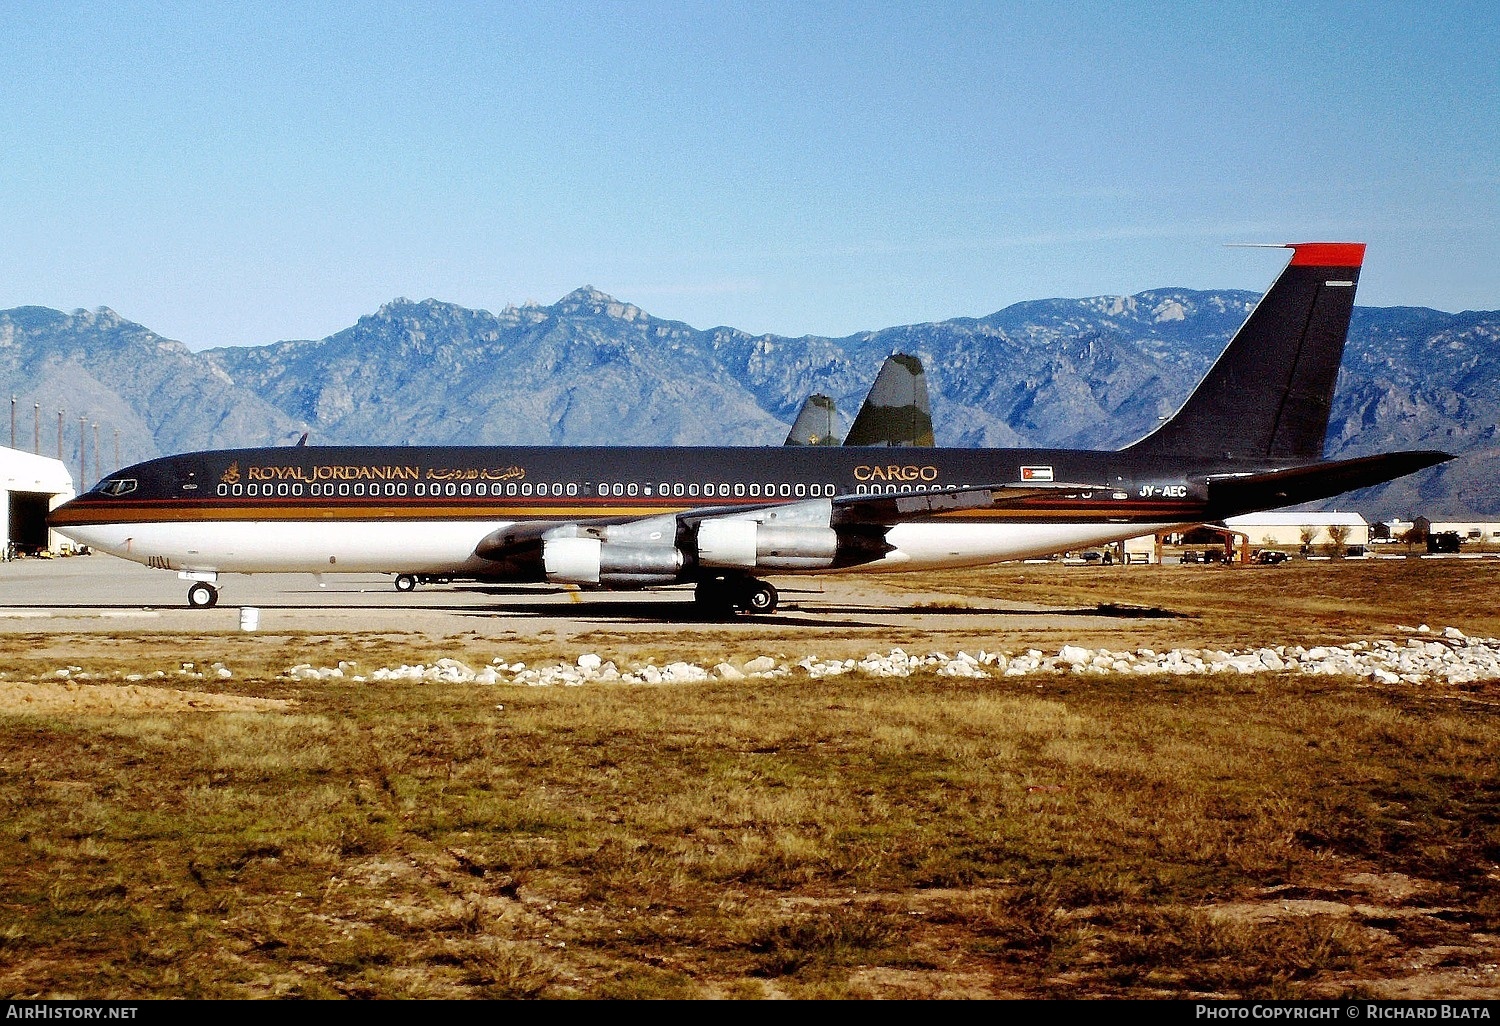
x=118, y=486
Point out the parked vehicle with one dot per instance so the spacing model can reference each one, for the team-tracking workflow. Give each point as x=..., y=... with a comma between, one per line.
x=1270, y=557
x=1443, y=541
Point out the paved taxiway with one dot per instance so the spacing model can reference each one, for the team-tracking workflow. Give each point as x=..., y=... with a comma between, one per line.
x=104, y=593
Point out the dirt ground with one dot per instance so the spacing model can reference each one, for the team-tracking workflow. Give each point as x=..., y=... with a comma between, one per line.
x=94, y=635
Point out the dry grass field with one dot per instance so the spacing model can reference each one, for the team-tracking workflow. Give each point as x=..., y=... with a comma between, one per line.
x=224, y=829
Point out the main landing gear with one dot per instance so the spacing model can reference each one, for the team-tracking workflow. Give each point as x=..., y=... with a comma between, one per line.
x=202, y=595
x=723, y=595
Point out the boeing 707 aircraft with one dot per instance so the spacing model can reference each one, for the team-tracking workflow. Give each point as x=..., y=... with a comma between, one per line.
x=1250, y=437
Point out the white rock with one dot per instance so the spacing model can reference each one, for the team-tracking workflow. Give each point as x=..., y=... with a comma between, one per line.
x=1074, y=656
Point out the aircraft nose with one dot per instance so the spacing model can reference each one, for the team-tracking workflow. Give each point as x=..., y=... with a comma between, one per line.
x=103, y=537
x=65, y=520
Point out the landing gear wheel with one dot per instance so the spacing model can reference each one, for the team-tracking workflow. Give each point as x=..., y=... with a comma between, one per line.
x=714, y=598
x=202, y=595
x=758, y=597
x=405, y=582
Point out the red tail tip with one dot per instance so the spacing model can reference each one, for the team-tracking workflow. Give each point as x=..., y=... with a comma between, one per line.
x=1327, y=254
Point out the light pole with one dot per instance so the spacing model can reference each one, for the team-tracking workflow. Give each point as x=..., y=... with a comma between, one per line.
x=83, y=466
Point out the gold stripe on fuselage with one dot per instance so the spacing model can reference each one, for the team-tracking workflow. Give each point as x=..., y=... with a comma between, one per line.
x=170, y=511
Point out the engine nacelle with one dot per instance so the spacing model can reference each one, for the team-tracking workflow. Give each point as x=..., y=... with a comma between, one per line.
x=591, y=561
x=748, y=544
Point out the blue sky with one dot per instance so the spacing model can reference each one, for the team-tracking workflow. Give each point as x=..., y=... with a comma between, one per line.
x=241, y=173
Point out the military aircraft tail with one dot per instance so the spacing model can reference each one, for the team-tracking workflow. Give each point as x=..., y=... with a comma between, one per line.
x=816, y=423
x=1270, y=392
x=896, y=411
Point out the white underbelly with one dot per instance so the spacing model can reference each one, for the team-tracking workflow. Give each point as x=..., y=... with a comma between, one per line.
x=941, y=545
x=253, y=546
x=447, y=546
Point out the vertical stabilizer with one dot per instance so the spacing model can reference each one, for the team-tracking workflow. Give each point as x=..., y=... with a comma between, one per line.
x=896, y=412
x=816, y=423
x=1270, y=392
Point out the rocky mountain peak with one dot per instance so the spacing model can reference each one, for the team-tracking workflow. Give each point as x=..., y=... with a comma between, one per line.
x=589, y=301
x=403, y=309
x=102, y=318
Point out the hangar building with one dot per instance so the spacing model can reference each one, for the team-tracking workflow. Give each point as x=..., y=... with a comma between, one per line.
x=1479, y=533
x=30, y=487
x=1286, y=529
x=1274, y=529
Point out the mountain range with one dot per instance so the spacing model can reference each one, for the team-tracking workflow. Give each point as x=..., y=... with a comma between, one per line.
x=590, y=369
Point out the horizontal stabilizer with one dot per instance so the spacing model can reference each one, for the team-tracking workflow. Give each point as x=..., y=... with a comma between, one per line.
x=1232, y=494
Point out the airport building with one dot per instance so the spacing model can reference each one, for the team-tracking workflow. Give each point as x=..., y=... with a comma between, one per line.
x=30, y=487
x=1296, y=528
x=1286, y=531
x=1473, y=533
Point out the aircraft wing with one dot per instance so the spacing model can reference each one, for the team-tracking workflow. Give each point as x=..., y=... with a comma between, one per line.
x=801, y=534
x=901, y=507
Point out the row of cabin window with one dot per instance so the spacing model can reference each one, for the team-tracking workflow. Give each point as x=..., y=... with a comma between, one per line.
x=906, y=489
x=721, y=490
x=394, y=489
x=525, y=489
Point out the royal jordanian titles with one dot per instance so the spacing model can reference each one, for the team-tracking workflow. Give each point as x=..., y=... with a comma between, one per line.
x=1250, y=437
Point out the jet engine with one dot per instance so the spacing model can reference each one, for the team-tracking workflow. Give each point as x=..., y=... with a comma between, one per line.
x=592, y=561
x=661, y=550
x=750, y=544
x=796, y=537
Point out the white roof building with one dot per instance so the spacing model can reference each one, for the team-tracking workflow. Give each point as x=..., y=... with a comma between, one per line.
x=1288, y=527
x=1467, y=530
x=31, y=486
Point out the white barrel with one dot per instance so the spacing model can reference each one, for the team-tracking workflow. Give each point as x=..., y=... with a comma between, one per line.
x=249, y=618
